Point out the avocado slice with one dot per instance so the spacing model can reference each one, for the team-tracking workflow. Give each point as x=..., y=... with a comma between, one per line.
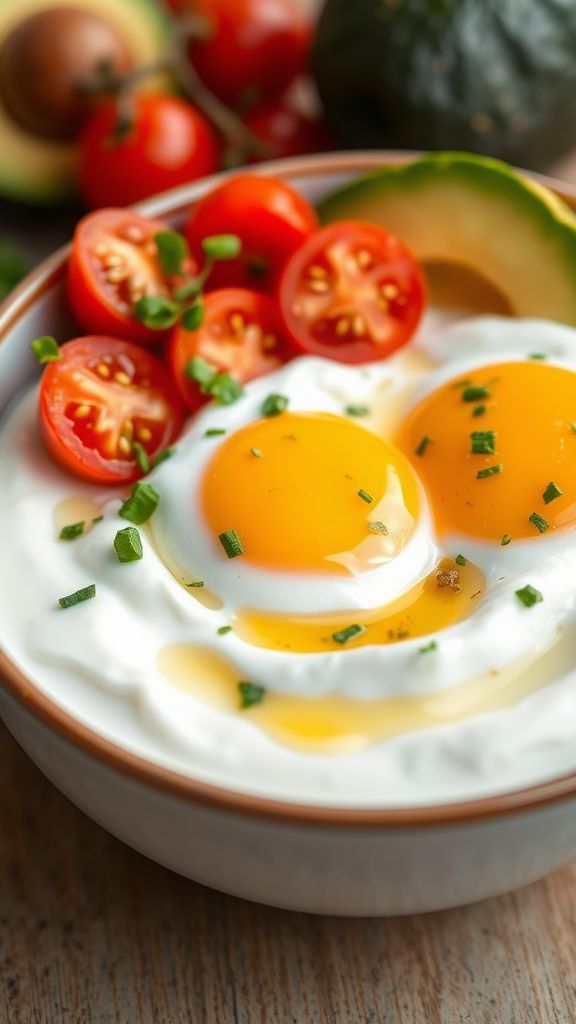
x=478, y=213
x=39, y=170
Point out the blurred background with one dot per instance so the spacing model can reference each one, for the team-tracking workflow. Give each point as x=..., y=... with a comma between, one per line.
x=105, y=102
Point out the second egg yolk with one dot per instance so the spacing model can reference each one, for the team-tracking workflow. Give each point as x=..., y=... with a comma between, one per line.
x=497, y=451
x=311, y=492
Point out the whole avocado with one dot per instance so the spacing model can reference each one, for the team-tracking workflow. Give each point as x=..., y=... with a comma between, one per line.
x=496, y=77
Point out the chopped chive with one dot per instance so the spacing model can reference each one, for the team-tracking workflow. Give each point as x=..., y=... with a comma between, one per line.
x=222, y=630
x=357, y=410
x=141, y=456
x=478, y=410
x=540, y=523
x=475, y=393
x=141, y=504
x=225, y=389
x=156, y=312
x=506, y=538
x=483, y=442
x=162, y=456
x=460, y=560
x=529, y=596
x=214, y=432
x=378, y=527
x=45, y=349
x=195, y=583
x=72, y=531
x=256, y=452
x=551, y=493
x=200, y=370
x=572, y=427
x=85, y=594
x=365, y=496
x=432, y=645
x=489, y=471
x=250, y=694
x=273, y=405
x=462, y=383
x=98, y=519
x=423, y=445
x=231, y=543
x=342, y=636
x=127, y=545
x=538, y=355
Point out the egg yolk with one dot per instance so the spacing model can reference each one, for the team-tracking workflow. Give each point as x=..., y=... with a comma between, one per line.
x=497, y=451
x=311, y=492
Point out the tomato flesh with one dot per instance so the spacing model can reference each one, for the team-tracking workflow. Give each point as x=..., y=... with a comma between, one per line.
x=100, y=397
x=240, y=336
x=352, y=293
x=271, y=219
x=114, y=262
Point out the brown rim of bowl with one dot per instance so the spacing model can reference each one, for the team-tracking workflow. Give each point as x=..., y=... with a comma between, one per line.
x=221, y=798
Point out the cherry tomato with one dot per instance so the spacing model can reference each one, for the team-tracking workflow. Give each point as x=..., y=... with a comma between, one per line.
x=271, y=219
x=240, y=335
x=285, y=131
x=113, y=264
x=253, y=47
x=352, y=293
x=100, y=397
x=168, y=143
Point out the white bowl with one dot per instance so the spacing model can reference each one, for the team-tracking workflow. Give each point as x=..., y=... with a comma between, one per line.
x=326, y=860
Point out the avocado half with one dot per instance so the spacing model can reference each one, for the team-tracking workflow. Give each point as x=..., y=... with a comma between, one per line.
x=39, y=170
x=477, y=213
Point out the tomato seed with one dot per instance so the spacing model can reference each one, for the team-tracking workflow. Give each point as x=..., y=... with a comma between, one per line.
x=358, y=325
x=81, y=412
x=112, y=260
x=124, y=446
x=144, y=434
x=317, y=271
x=319, y=286
x=122, y=378
x=103, y=370
x=389, y=291
x=133, y=233
x=363, y=259
x=237, y=322
x=269, y=341
x=127, y=429
x=342, y=327
x=117, y=275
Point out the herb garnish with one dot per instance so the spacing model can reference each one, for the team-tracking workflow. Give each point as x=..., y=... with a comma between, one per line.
x=432, y=645
x=479, y=410
x=250, y=694
x=342, y=636
x=141, y=504
x=489, y=471
x=378, y=527
x=214, y=432
x=506, y=538
x=46, y=349
x=231, y=543
x=423, y=445
x=72, y=531
x=475, y=393
x=529, y=596
x=357, y=410
x=128, y=545
x=540, y=523
x=85, y=594
x=273, y=405
x=222, y=630
x=219, y=386
x=460, y=560
x=483, y=442
x=551, y=493
x=141, y=457
x=365, y=496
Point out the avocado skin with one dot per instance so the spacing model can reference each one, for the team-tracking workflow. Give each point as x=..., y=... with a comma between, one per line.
x=496, y=77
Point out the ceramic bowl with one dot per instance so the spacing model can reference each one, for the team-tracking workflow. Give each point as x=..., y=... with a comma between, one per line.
x=320, y=859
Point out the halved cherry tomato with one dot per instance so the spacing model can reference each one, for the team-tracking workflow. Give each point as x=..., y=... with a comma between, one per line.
x=271, y=219
x=240, y=335
x=113, y=264
x=251, y=46
x=101, y=396
x=168, y=143
x=352, y=293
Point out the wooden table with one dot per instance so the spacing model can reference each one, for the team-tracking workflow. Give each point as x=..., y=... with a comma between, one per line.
x=92, y=933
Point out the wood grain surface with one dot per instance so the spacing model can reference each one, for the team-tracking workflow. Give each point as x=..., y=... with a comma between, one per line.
x=93, y=933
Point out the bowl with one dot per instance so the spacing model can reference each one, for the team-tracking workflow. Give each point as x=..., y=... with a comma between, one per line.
x=326, y=860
